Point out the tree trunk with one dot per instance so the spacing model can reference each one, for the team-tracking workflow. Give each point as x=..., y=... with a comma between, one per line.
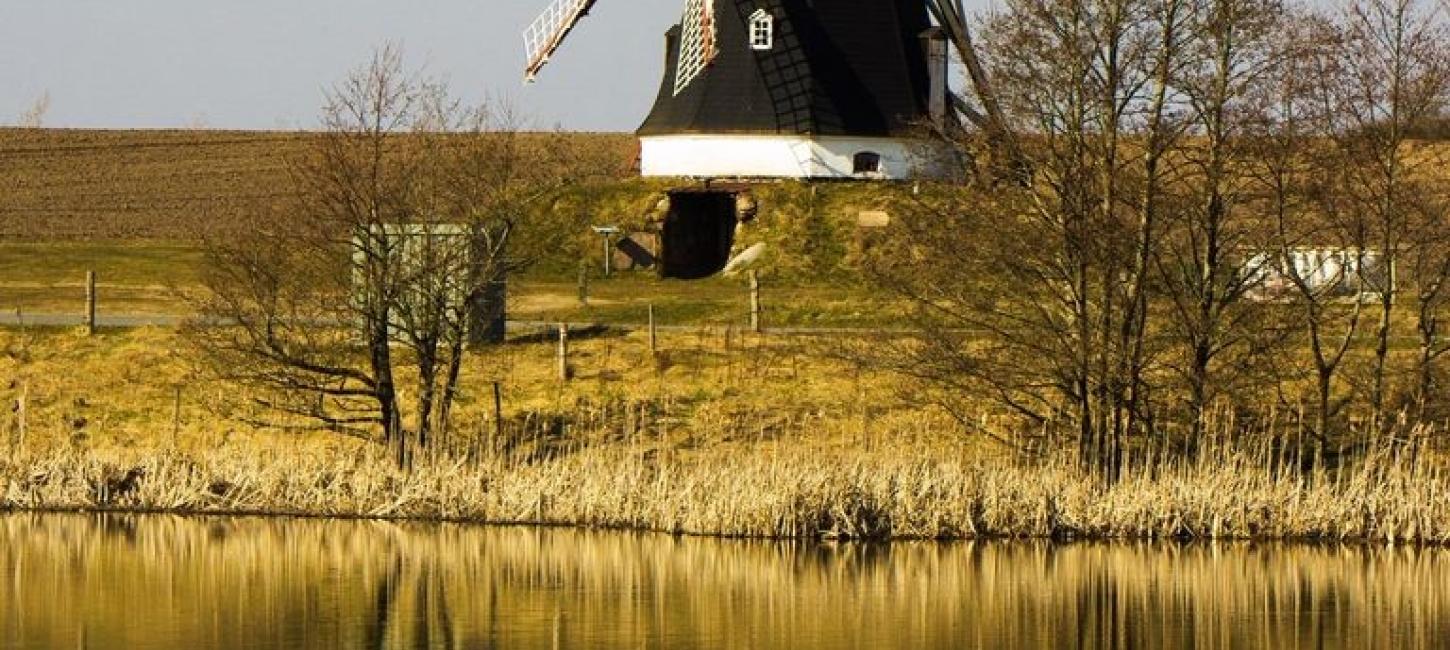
x=450, y=388
x=1428, y=326
x=1381, y=356
x=488, y=303
x=427, y=386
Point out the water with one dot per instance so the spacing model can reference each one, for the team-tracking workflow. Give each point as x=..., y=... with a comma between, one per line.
x=114, y=581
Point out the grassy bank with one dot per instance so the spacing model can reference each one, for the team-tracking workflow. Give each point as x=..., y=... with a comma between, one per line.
x=133, y=206
x=105, y=187
x=146, y=277
x=702, y=441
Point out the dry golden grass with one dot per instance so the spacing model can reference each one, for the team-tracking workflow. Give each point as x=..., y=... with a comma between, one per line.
x=773, y=490
x=764, y=440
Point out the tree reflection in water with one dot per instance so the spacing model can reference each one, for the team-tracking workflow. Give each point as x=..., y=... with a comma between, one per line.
x=161, y=581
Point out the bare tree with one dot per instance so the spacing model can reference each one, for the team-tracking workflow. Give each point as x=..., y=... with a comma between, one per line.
x=1056, y=287
x=1172, y=26
x=34, y=116
x=484, y=179
x=1212, y=183
x=1427, y=269
x=303, y=287
x=1393, y=75
x=1305, y=206
x=407, y=205
x=1102, y=101
x=1204, y=261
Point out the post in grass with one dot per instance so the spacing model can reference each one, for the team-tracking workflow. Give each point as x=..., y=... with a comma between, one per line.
x=563, y=352
x=176, y=414
x=20, y=413
x=90, y=303
x=755, y=320
x=654, y=340
x=583, y=285
x=497, y=419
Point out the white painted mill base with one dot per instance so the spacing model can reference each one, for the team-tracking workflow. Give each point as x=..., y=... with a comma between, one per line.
x=760, y=156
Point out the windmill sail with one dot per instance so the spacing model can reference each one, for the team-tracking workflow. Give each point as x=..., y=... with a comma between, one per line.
x=547, y=32
x=951, y=16
x=697, y=42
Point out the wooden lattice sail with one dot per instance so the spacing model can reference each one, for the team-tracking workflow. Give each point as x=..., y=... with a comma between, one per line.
x=544, y=36
x=697, y=42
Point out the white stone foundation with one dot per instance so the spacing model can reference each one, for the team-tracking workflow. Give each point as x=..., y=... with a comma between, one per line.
x=773, y=156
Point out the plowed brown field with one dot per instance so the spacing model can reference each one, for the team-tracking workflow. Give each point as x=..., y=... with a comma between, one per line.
x=87, y=184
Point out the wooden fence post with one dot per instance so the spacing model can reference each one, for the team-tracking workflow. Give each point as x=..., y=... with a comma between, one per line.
x=755, y=324
x=563, y=352
x=584, y=285
x=90, y=303
x=176, y=415
x=654, y=341
x=497, y=420
x=20, y=411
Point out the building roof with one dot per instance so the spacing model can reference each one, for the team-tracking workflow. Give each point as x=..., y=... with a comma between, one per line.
x=837, y=67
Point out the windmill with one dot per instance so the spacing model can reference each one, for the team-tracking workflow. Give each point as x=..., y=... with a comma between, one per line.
x=801, y=88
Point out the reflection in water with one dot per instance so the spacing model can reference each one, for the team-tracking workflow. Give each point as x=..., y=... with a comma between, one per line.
x=156, y=581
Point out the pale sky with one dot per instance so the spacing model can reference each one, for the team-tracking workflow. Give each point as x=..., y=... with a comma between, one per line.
x=259, y=64
x=262, y=64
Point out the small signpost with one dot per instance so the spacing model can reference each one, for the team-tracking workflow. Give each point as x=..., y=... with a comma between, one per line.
x=608, y=233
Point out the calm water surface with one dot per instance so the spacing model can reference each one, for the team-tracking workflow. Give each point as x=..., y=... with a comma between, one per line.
x=113, y=581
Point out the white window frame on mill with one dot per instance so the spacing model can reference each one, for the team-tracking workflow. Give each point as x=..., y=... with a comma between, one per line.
x=762, y=30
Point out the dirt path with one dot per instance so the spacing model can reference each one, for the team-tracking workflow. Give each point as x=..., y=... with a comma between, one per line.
x=13, y=320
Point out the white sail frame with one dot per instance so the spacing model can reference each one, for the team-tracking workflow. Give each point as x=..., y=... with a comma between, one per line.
x=697, y=42
x=544, y=36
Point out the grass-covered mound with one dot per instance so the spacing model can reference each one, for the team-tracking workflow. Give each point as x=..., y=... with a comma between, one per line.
x=144, y=187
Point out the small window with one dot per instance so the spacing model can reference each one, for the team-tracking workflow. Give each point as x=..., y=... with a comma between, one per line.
x=762, y=30
x=866, y=162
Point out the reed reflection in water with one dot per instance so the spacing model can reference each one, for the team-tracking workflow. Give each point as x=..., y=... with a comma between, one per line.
x=160, y=581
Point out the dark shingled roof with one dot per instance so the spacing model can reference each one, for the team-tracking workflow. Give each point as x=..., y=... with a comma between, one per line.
x=839, y=67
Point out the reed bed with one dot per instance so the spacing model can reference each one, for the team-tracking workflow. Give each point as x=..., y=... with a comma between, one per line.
x=764, y=489
x=706, y=442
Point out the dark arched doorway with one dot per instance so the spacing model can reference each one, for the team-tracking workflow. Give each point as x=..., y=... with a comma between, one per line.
x=698, y=233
